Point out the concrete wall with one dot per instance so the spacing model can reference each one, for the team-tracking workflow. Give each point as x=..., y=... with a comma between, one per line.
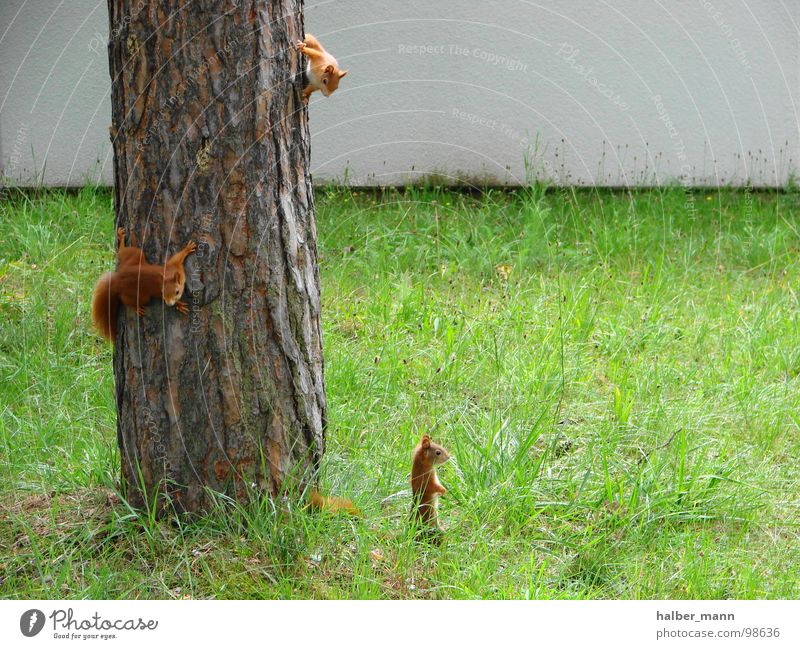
x=612, y=92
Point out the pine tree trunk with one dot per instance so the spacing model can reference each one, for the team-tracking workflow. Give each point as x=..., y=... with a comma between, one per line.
x=211, y=144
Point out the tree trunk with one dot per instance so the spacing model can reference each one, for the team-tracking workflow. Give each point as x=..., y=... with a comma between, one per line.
x=211, y=144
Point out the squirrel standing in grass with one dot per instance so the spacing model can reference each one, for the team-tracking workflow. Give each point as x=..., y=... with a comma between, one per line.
x=135, y=283
x=425, y=485
x=322, y=71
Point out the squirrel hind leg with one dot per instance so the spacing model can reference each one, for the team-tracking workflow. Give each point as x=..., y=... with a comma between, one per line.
x=121, y=238
x=424, y=515
x=312, y=42
x=178, y=258
x=431, y=535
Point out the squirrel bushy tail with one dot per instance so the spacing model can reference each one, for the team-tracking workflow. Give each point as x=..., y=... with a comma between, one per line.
x=105, y=306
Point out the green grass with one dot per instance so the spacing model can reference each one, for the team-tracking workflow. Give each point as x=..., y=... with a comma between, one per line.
x=616, y=375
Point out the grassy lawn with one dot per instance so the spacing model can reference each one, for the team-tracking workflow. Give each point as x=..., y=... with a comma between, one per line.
x=616, y=375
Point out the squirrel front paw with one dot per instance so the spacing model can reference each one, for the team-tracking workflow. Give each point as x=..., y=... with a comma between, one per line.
x=300, y=45
x=182, y=307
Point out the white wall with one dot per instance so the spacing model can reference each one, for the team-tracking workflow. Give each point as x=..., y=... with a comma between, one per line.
x=617, y=92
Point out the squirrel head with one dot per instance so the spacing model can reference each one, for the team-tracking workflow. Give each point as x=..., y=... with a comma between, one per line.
x=432, y=452
x=330, y=79
x=172, y=290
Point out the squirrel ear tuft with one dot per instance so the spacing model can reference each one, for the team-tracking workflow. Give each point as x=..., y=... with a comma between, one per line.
x=328, y=69
x=343, y=73
x=426, y=441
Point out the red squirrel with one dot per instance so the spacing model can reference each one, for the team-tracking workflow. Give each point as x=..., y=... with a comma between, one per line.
x=135, y=283
x=425, y=484
x=332, y=504
x=322, y=70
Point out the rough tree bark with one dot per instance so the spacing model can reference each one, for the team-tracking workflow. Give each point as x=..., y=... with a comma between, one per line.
x=211, y=143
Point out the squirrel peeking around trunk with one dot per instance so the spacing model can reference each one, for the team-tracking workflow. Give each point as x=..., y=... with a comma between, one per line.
x=425, y=485
x=322, y=71
x=135, y=283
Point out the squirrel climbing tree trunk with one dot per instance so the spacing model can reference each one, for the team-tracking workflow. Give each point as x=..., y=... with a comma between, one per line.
x=211, y=144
